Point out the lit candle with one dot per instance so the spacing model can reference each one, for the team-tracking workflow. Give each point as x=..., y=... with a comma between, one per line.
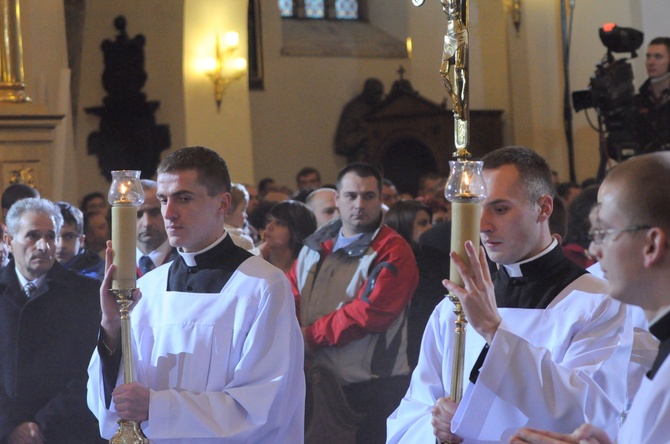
x=125, y=195
x=465, y=190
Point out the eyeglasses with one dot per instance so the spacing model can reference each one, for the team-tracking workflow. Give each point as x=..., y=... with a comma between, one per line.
x=598, y=235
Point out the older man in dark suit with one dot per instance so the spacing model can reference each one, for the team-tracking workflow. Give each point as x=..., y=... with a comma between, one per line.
x=49, y=319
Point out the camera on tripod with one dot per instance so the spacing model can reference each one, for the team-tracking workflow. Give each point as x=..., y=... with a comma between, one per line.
x=612, y=93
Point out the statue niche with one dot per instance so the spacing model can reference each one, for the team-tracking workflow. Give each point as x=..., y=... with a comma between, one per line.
x=406, y=135
x=128, y=138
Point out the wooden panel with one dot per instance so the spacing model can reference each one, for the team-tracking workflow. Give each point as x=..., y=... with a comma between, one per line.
x=26, y=145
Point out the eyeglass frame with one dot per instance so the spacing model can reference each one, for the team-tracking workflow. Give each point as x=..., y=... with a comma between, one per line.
x=598, y=235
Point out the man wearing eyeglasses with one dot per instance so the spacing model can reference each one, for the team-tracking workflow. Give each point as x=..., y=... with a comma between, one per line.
x=70, y=250
x=544, y=345
x=631, y=244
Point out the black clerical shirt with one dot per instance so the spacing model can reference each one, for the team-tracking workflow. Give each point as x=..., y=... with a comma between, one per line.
x=541, y=281
x=660, y=329
x=214, y=268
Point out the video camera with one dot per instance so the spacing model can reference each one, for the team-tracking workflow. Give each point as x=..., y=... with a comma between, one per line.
x=612, y=93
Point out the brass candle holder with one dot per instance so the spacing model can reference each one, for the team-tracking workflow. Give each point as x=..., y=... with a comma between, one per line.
x=125, y=195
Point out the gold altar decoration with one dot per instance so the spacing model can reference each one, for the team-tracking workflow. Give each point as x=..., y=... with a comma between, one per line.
x=11, y=54
x=23, y=175
x=125, y=195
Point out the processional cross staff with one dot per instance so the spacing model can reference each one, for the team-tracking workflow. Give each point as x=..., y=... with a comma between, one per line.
x=465, y=188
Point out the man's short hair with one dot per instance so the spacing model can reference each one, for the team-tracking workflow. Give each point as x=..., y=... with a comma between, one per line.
x=361, y=169
x=306, y=172
x=32, y=205
x=211, y=168
x=427, y=177
x=72, y=215
x=238, y=194
x=89, y=197
x=661, y=41
x=646, y=194
x=16, y=192
x=533, y=170
x=563, y=189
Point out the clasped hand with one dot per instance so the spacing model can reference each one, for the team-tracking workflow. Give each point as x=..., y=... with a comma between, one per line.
x=131, y=401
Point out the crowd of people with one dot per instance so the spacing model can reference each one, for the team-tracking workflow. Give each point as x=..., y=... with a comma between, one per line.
x=243, y=287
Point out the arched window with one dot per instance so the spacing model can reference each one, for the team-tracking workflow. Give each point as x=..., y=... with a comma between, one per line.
x=320, y=9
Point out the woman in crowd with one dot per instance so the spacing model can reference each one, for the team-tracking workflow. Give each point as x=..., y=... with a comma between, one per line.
x=288, y=224
x=411, y=218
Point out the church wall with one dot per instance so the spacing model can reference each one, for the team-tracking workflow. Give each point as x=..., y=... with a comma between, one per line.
x=161, y=22
x=295, y=118
x=291, y=123
x=228, y=131
x=46, y=77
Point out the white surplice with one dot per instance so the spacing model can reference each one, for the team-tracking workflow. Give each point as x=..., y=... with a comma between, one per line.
x=549, y=369
x=222, y=368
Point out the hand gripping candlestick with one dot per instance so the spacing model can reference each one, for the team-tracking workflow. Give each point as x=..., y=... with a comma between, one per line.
x=465, y=188
x=125, y=195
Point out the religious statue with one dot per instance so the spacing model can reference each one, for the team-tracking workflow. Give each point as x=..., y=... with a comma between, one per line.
x=455, y=54
x=351, y=138
x=128, y=138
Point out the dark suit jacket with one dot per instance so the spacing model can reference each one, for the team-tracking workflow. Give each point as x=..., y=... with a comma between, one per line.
x=46, y=343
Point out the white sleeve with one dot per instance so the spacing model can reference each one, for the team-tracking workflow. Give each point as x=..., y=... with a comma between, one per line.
x=410, y=422
x=550, y=369
x=571, y=373
x=647, y=422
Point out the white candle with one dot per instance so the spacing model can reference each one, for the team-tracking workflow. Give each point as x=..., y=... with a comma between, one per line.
x=465, y=222
x=124, y=235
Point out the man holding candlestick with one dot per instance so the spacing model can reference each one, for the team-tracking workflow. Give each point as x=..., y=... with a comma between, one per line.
x=218, y=351
x=545, y=346
x=630, y=241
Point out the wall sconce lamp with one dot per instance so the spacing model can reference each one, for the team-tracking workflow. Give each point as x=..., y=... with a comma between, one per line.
x=516, y=14
x=224, y=67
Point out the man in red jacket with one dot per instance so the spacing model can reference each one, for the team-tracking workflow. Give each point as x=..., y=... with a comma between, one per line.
x=353, y=282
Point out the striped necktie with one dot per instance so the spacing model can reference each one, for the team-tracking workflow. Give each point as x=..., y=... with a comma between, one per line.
x=29, y=289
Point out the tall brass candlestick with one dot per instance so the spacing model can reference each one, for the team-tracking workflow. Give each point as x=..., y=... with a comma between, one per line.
x=125, y=195
x=465, y=188
x=11, y=54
